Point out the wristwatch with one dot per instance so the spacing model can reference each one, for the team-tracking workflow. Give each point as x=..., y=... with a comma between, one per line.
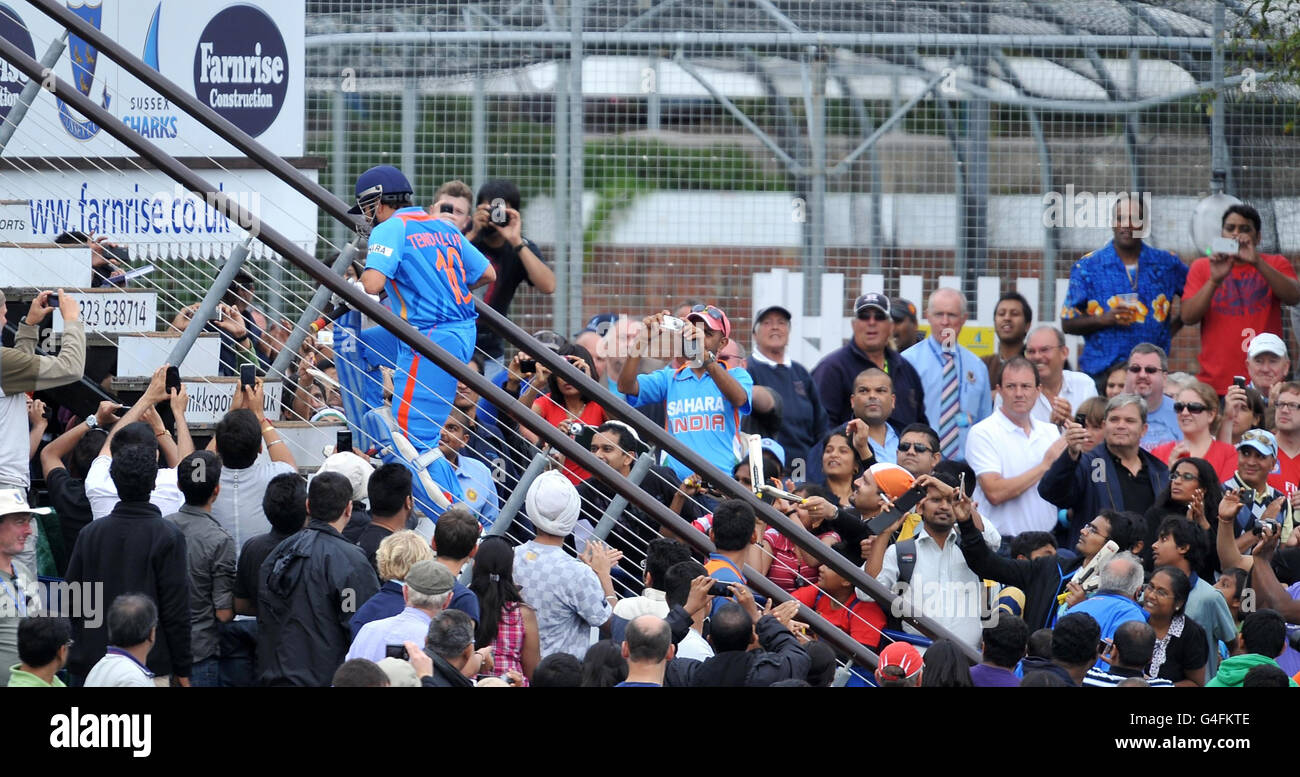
x=709, y=358
x=522, y=245
x=92, y=422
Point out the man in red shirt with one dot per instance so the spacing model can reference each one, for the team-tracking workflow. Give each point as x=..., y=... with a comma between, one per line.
x=1235, y=297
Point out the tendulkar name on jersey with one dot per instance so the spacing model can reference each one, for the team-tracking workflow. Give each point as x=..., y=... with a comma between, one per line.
x=429, y=265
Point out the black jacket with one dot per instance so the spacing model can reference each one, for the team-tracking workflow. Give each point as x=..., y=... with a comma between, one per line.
x=445, y=675
x=133, y=550
x=781, y=657
x=308, y=589
x=1042, y=579
x=803, y=419
x=1089, y=488
x=834, y=376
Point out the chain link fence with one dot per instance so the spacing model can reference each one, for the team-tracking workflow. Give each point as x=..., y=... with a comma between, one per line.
x=723, y=139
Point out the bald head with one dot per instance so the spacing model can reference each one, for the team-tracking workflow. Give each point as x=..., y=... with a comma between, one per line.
x=647, y=640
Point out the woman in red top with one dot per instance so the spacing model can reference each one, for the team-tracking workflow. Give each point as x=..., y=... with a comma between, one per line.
x=1197, y=408
x=833, y=598
x=564, y=405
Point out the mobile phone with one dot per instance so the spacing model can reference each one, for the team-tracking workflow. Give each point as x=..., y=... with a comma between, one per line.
x=247, y=375
x=1239, y=381
x=396, y=651
x=961, y=483
x=344, y=441
x=904, y=503
x=173, y=379
x=52, y=300
x=720, y=588
x=527, y=366
x=1224, y=245
x=1081, y=419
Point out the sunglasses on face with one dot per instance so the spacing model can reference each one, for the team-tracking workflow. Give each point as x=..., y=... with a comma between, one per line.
x=873, y=315
x=1150, y=370
x=1191, y=407
x=904, y=447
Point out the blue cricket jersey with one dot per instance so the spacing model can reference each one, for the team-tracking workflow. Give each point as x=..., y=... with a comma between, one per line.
x=698, y=414
x=430, y=268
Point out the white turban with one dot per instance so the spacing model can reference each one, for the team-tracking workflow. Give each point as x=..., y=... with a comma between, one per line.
x=553, y=504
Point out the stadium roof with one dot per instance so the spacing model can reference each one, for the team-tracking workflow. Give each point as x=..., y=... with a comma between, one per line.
x=1046, y=49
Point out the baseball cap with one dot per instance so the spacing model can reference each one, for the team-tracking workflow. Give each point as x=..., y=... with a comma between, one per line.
x=1011, y=601
x=14, y=500
x=712, y=317
x=598, y=324
x=351, y=466
x=1266, y=342
x=379, y=182
x=551, y=339
x=903, y=655
x=430, y=578
x=1261, y=440
x=871, y=300
x=763, y=311
x=892, y=480
x=400, y=673
x=902, y=309
x=775, y=447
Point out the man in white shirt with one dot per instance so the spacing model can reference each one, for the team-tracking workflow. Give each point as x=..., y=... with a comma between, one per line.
x=132, y=629
x=245, y=468
x=940, y=585
x=1011, y=450
x=166, y=494
x=1061, y=391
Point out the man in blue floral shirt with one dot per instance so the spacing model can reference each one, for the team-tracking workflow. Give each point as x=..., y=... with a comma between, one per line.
x=1123, y=293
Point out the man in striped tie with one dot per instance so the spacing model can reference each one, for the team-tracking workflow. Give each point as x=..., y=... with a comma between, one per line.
x=964, y=398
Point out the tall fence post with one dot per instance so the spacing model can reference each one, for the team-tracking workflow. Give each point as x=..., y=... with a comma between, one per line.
x=577, y=155
x=506, y=518
x=619, y=503
x=309, y=314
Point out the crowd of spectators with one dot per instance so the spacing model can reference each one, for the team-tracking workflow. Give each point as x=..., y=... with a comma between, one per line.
x=1105, y=526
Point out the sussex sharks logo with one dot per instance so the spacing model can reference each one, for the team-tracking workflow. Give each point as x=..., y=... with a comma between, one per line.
x=84, y=58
